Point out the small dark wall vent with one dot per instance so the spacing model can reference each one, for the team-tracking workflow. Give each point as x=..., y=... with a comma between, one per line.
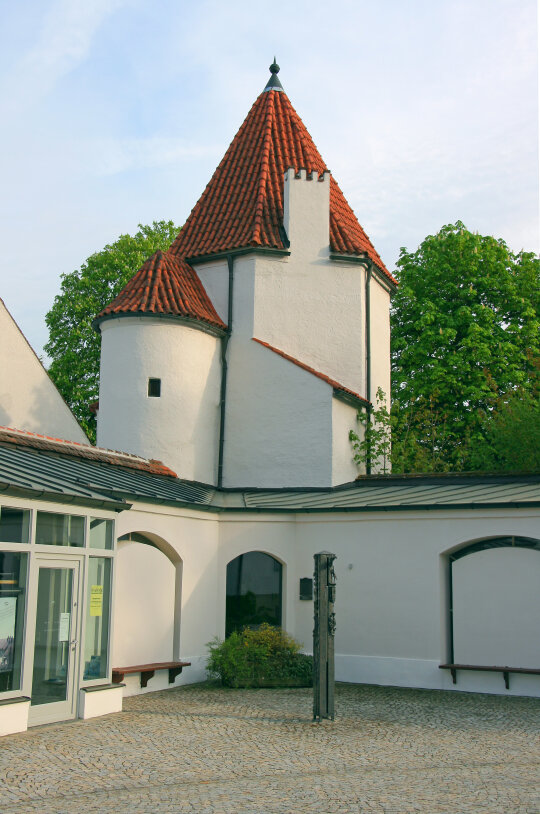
x=306, y=588
x=154, y=388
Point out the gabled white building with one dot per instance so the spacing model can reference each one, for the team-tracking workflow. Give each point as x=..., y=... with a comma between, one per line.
x=28, y=398
x=240, y=358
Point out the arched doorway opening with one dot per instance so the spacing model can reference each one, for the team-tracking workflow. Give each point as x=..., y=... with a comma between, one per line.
x=254, y=591
x=148, y=600
x=494, y=602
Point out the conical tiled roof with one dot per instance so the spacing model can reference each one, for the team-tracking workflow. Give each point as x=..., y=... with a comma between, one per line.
x=164, y=285
x=242, y=206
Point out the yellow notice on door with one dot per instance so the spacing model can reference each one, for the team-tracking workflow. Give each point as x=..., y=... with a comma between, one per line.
x=96, y=600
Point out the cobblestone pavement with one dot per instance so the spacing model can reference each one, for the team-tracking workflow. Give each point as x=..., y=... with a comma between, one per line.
x=209, y=750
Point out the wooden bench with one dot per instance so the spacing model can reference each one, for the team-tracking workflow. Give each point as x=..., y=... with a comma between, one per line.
x=504, y=670
x=147, y=671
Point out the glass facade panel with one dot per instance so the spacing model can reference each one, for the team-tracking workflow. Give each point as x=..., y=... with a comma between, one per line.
x=14, y=525
x=101, y=533
x=98, y=603
x=253, y=591
x=12, y=602
x=59, y=529
x=54, y=626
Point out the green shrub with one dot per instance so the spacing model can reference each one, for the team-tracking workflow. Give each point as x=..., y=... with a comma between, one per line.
x=264, y=657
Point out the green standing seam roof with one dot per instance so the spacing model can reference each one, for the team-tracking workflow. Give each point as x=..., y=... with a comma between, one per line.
x=64, y=477
x=408, y=495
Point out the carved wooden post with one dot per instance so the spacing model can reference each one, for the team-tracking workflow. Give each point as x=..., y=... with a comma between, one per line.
x=323, y=636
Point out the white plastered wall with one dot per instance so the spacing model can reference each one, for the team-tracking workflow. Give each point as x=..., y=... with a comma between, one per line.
x=180, y=427
x=380, y=339
x=215, y=278
x=392, y=602
x=278, y=429
x=307, y=305
x=344, y=420
x=28, y=398
x=312, y=308
x=191, y=539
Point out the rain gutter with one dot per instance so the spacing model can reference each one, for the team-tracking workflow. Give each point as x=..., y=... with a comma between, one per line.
x=223, y=390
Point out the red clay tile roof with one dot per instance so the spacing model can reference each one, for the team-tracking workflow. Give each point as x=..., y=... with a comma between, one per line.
x=164, y=285
x=73, y=448
x=242, y=205
x=327, y=379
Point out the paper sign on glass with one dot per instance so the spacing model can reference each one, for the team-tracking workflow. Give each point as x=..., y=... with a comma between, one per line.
x=63, y=628
x=96, y=600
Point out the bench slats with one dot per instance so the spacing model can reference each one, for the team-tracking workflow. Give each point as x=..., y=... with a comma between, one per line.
x=147, y=671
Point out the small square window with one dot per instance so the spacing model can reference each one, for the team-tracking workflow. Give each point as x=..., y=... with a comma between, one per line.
x=154, y=388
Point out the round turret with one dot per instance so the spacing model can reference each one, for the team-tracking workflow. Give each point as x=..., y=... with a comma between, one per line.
x=160, y=372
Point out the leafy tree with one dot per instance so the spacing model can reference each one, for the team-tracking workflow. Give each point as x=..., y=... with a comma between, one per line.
x=74, y=346
x=512, y=438
x=465, y=340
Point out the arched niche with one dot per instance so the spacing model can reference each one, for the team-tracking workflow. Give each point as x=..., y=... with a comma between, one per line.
x=148, y=600
x=254, y=592
x=493, y=602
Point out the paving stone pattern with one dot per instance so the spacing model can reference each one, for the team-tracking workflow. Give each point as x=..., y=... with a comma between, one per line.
x=210, y=750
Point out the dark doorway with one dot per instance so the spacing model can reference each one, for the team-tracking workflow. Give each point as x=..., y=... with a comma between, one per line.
x=253, y=591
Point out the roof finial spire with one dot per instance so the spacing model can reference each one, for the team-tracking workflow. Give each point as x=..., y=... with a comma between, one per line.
x=274, y=83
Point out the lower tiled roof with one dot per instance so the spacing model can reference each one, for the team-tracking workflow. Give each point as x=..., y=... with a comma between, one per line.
x=64, y=472
x=164, y=286
x=24, y=438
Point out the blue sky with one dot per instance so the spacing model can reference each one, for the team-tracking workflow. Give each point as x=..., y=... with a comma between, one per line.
x=116, y=112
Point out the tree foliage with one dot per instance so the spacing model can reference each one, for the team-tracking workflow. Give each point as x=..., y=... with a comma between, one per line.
x=74, y=346
x=465, y=350
x=374, y=445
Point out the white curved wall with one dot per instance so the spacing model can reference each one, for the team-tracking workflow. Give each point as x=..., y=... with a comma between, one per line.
x=180, y=427
x=145, y=606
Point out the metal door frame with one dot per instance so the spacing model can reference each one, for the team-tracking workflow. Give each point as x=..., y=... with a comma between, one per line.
x=59, y=710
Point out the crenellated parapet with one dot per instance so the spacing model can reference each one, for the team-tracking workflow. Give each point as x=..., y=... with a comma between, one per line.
x=306, y=211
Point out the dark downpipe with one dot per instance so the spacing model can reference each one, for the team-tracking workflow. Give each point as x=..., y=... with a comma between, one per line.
x=369, y=271
x=223, y=391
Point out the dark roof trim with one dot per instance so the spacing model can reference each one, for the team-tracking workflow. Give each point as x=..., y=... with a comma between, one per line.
x=352, y=401
x=58, y=497
x=435, y=478
x=363, y=260
x=206, y=258
x=406, y=507
x=190, y=322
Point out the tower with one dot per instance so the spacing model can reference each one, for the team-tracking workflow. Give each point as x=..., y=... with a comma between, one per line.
x=283, y=300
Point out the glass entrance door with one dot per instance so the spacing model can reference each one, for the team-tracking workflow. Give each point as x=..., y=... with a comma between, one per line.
x=56, y=636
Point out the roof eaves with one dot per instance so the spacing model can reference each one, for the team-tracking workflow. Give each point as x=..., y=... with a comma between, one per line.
x=97, y=502
x=237, y=252
x=363, y=259
x=351, y=398
x=192, y=322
